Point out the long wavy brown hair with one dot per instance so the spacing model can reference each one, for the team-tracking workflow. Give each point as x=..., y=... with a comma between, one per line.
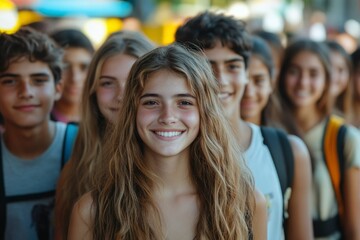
x=323, y=104
x=123, y=201
x=86, y=156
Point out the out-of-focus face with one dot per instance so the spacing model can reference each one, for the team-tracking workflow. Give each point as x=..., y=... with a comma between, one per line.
x=305, y=80
x=340, y=74
x=257, y=91
x=229, y=70
x=111, y=84
x=27, y=93
x=76, y=61
x=357, y=83
x=168, y=118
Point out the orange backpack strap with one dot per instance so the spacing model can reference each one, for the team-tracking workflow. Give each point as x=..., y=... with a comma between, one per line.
x=333, y=145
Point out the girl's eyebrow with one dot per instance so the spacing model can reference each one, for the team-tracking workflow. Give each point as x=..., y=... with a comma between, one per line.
x=107, y=77
x=149, y=95
x=185, y=95
x=157, y=95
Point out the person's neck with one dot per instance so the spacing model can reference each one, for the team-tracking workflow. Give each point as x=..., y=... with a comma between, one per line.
x=69, y=111
x=332, y=102
x=354, y=115
x=174, y=175
x=357, y=108
x=307, y=118
x=255, y=120
x=28, y=143
x=241, y=129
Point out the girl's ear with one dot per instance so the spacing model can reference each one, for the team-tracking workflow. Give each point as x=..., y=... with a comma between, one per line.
x=59, y=87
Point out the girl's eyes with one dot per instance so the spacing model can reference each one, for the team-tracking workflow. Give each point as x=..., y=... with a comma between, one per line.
x=259, y=80
x=149, y=102
x=185, y=103
x=179, y=103
x=293, y=71
x=107, y=83
x=104, y=84
x=314, y=75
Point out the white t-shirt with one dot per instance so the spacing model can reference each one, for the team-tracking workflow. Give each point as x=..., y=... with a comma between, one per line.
x=260, y=162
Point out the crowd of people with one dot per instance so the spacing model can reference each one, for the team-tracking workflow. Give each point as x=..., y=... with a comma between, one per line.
x=223, y=134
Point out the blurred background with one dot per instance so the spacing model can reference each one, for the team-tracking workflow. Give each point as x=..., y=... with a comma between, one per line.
x=158, y=19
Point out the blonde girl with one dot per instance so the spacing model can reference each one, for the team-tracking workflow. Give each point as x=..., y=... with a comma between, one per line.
x=101, y=101
x=175, y=170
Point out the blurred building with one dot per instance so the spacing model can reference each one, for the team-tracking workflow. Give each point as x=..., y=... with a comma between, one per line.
x=159, y=19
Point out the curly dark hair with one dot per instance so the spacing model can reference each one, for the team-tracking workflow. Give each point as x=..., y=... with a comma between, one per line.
x=34, y=45
x=206, y=29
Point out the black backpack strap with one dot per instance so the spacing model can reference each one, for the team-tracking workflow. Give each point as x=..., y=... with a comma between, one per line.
x=2, y=198
x=272, y=141
x=68, y=143
x=30, y=196
x=288, y=156
x=283, y=158
x=327, y=227
x=340, y=149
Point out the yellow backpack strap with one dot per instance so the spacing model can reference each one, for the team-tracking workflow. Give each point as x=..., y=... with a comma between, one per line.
x=333, y=156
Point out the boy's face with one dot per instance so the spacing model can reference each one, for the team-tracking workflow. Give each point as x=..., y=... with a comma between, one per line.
x=77, y=61
x=229, y=70
x=27, y=93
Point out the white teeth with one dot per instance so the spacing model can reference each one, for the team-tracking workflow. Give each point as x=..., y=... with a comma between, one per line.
x=301, y=93
x=223, y=95
x=168, y=134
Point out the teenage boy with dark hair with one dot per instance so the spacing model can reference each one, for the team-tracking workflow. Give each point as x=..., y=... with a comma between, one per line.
x=78, y=52
x=227, y=46
x=33, y=148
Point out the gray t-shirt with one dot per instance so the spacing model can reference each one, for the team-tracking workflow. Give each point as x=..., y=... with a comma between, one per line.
x=32, y=219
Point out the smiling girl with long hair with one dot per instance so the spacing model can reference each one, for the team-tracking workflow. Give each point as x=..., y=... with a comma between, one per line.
x=175, y=169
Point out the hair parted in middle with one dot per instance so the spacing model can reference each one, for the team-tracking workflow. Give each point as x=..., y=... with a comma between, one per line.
x=88, y=147
x=342, y=102
x=323, y=104
x=206, y=29
x=123, y=201
x=271, y=112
